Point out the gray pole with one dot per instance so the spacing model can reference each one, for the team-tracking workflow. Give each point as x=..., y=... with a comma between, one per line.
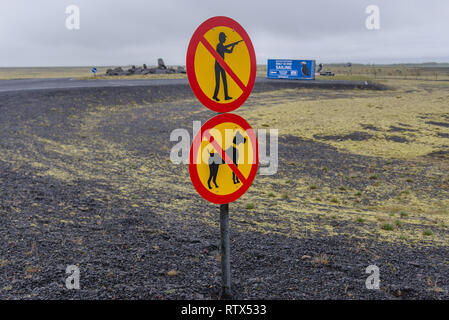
x=225, y=252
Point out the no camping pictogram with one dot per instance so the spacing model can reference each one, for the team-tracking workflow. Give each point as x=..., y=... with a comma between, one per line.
x=224, y=158
x=221, y=64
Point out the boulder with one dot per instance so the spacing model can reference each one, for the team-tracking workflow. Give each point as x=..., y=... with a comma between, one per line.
x=115, y=72
x=161, y=71
x=138, y=71
x=161, y=64
x=181, y=69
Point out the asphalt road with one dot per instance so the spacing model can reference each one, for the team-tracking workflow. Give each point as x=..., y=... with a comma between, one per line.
x=66, y=83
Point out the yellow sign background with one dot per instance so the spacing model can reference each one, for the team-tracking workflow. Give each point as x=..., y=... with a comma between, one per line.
x=239, y=61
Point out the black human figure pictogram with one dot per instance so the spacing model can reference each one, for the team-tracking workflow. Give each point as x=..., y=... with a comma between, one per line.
x=219, y=71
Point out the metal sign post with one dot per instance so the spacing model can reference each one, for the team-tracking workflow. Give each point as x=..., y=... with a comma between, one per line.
x=222, y=43
x=228, y=179
x=225, y=252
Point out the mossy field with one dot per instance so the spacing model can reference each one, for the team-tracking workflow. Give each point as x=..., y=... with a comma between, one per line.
x=363, y=179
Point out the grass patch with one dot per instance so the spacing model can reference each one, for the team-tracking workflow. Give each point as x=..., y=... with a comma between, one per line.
x=387, y=227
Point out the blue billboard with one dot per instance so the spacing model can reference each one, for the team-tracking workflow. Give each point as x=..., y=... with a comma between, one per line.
x=291, y=69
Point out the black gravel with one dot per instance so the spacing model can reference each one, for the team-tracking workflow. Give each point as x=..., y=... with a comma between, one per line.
x=125, y=252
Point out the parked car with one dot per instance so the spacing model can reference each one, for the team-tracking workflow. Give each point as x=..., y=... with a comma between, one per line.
x=327, y=73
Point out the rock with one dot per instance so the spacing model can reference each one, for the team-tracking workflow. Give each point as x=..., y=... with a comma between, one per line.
x=199, y=296
x=115, y=72
x=132, y=70
x=161, y=64
x=181, y=69
x=138, y=70
x=160, y=69
x=172, y=273
x=147, y=71
x=254, y=280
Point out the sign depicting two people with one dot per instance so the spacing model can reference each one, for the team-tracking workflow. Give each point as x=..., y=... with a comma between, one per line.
x=224, y=158
x=224, y=153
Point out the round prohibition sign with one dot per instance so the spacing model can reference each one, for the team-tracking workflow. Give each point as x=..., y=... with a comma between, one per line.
x=234, y=144
x=221, y=57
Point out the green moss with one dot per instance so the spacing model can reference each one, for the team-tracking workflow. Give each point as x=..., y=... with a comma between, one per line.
x=387, y=227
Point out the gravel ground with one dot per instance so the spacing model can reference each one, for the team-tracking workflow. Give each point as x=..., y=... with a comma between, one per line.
x=85, y=180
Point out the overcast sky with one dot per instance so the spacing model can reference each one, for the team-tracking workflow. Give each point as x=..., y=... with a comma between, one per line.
x=112, y=32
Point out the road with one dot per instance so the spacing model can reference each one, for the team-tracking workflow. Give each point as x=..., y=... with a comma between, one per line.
x=66, y=83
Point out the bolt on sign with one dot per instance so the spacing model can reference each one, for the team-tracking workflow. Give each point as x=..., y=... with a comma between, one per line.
x=221, y=64
x=224, y=158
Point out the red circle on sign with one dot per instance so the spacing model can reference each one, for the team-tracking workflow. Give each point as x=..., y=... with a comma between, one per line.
x=198, y=37
x=196, y=146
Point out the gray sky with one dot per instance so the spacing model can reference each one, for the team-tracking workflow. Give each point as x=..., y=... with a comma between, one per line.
x=112, y=32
